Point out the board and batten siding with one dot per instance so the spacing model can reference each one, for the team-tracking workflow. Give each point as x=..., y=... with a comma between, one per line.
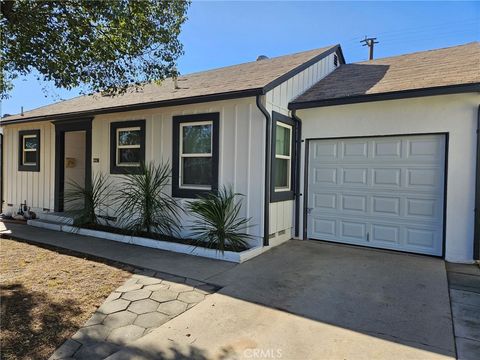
x=36, y=188
x=241, y=148
x=277, y=99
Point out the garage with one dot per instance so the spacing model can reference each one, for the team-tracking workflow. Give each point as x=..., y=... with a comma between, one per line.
x=383, y=192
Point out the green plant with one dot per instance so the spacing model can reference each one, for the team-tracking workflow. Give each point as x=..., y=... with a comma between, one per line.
x=143, y=204
x=94, y=197
x=218, y=223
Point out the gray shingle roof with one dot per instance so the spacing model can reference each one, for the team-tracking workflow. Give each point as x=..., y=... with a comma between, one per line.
x=245, y=79
x=459, y=65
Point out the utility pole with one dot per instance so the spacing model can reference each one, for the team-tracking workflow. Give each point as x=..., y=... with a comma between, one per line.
x=370, y=42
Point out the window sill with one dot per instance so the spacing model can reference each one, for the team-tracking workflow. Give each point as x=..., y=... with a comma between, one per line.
x=133, y=170
x=34, y=168
x=184, y=193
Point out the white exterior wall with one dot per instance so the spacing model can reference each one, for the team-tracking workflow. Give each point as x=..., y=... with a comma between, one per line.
x=277, y=99
x=452, y=114
x=242, y=144
x=241, y=153
x=37, y=188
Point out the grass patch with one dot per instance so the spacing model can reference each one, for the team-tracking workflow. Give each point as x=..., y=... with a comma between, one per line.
x=47, y=296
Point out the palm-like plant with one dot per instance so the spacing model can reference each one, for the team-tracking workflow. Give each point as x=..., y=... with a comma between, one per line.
x=218, y=224
x=143, y=204
x=94, y=197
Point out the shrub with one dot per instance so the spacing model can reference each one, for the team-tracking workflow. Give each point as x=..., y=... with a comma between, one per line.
x=95, y=199
x=144, y=206
x=217, y=222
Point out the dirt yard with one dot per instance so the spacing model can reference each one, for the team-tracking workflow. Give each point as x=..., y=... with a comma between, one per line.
x=46, y=296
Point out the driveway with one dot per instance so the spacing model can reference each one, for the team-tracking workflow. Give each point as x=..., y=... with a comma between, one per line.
x=312, y=300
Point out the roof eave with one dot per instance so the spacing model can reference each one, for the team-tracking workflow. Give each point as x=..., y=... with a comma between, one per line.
x=394, y=95
x=140, y=106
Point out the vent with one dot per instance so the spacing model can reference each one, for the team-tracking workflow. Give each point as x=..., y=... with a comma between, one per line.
x=335, y=60
x=283, y=232
x=262, y=57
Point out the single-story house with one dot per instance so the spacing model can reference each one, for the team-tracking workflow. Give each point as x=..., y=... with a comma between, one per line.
x=382, y=153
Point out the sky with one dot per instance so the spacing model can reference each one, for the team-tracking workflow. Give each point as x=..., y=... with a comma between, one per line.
x=224, y=33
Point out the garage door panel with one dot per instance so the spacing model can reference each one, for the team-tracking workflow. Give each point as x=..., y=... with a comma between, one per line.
x=424, y=149
x=325, y=200
x=386, y=234
x=424, y=178
x=356, y=203
x=353, y=230
x=355, y=150
x=390, y=197
x=325, y=151
x=385, y=205
x=355, y=176
x=325, y=228
x=325, y=176
x=387, y=149
x=425, y=208
x=386, y=177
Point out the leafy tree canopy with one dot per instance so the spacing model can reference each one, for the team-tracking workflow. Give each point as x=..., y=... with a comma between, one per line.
x=103, y=45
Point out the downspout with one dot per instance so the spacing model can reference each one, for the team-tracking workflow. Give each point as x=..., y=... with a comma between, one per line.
x=268, y=175
x=298, y=151
x=476, y=236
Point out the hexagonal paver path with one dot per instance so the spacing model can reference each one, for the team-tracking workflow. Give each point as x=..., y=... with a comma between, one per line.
x=144, y=302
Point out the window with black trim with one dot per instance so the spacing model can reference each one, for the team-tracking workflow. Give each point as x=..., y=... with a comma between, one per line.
x=283, y=156
x=29, y=150
x=127, y=146
x=195, y=154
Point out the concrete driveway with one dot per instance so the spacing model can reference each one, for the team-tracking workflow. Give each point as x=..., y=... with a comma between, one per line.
x=312, y=300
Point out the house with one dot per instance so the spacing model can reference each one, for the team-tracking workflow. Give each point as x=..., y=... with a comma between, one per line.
x=381, y=153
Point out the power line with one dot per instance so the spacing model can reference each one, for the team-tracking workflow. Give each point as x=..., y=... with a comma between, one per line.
x=421, y=28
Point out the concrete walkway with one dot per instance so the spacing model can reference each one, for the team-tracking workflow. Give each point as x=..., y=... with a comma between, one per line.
x=464, y=283
x=143, y=303
x=301, y=300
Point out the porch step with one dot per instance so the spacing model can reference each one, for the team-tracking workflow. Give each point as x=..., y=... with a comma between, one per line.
x=59, y=218
x=45, y=224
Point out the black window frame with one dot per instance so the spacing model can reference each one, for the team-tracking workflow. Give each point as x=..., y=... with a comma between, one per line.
x=21, y=166
x=277, y=196
x=114, y=126
x=182, y=192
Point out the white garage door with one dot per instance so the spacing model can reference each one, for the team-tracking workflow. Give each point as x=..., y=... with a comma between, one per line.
x=384, y=192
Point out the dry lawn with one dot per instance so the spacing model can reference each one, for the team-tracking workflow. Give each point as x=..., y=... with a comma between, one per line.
x=46, y=296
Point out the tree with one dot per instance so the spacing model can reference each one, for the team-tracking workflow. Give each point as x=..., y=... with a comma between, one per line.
x=103, y=45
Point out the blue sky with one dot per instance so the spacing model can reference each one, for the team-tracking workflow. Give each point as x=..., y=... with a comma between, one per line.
x=229, y=32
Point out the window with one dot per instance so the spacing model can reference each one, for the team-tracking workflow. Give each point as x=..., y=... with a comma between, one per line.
x=195, y=154
x=127, y=146
x=283, y=156
x=29, y=150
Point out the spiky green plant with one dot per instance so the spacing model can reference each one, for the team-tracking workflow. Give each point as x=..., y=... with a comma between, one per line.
x=94, y=197
x=143, y=205
x=217, y=221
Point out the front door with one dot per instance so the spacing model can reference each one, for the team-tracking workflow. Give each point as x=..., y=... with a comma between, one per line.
x=73, y=141
x=74, y=169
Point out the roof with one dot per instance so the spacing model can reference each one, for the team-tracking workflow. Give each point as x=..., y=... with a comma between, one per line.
x=248, y=79
x=447, y=70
